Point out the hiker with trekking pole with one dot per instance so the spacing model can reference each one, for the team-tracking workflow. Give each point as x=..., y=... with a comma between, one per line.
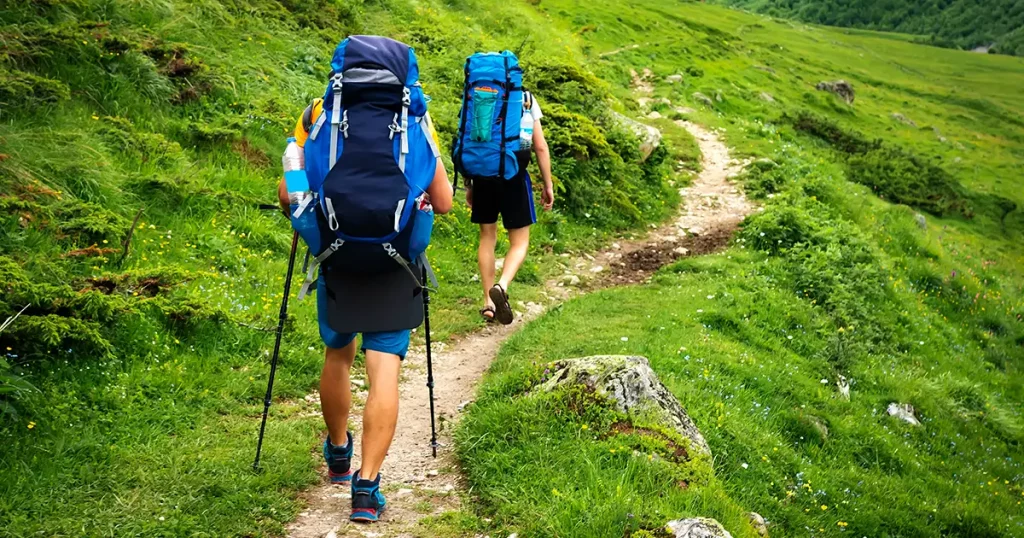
x=363, y=180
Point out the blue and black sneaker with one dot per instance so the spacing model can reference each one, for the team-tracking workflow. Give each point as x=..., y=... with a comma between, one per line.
x=339, y=460
x=367, y=501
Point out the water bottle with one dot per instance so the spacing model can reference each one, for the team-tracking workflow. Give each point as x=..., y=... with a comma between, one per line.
x=303, y=214
x=526, y=131
x=294, y=163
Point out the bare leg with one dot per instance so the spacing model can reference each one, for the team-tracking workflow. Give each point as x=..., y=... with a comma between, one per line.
x=485, y=258
x=519, y=243
x=381, y=413
x=336, y=391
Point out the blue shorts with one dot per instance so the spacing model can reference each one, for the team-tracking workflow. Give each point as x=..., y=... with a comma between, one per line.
x=393, y=342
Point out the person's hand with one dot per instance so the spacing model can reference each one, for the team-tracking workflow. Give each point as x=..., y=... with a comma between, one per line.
x=548, y=197
x=469, y=197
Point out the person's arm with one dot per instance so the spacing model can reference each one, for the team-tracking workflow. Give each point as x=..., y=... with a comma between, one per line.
x=540, y=148
x=282, y=197
x=440, y=191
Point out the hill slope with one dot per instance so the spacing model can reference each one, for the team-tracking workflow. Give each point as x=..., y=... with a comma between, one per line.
x=887, y=254
x=129, y=383
x=966, y=24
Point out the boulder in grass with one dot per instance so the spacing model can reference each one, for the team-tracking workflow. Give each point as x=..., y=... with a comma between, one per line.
x=839, y=87
x=697, y=527
x=633, y=386
x=650, y=137
x=759, y=524
x=703, y=99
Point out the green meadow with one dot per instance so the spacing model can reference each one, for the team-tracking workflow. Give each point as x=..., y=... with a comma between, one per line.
x=887, y=251
x=131, y=385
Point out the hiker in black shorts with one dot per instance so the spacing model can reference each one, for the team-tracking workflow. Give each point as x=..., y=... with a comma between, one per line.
x=513, y=200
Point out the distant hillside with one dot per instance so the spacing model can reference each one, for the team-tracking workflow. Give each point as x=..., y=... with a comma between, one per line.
x=966, y=24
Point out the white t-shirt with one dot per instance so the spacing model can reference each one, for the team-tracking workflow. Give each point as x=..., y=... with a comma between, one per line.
x=535, y=109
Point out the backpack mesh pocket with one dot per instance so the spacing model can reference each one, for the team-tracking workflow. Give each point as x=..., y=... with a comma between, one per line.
x=484, y=101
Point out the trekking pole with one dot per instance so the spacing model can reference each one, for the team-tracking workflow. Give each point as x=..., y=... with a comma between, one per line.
x=430, y=365
x=277, y=347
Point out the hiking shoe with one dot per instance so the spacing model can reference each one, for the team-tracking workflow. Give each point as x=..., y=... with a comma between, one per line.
x=367, y=501
x=339, y=460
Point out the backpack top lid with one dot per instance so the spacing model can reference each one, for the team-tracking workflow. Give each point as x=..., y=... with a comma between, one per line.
x=376, y=52
x=492, y=67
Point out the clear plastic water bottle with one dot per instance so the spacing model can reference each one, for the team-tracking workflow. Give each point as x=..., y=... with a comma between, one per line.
x=294, y=163
x=303, y=214
x=526, y=131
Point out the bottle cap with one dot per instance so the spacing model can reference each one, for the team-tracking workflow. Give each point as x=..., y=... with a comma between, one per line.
x=291, y=139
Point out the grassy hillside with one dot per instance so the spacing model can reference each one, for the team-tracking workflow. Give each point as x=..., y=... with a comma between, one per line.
x=888, y=252
x=130, y=385
x=964, y=24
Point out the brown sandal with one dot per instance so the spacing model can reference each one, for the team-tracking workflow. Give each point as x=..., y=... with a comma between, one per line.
x=502, y=310
x=484, y=311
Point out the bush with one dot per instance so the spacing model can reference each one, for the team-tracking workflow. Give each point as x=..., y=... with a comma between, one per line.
x=18, y=89
x=895, y=174
x=850, y=142
x=903, y=177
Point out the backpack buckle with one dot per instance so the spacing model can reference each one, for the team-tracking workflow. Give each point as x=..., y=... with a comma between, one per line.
x=406, y=97
x=336, y=82
x=395, y=127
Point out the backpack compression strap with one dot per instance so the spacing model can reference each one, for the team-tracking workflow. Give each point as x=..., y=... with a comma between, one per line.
x=306, y=284
x=504, y=118
x=337, y=119
x=457, y=143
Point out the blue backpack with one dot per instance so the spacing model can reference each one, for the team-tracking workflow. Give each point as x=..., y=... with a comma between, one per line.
x=486, y=144
x=369, y=160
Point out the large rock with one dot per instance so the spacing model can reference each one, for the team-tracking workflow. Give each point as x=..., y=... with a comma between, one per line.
x=839, y=87
x=697, y=527
x=634, y=387
x=650, y=137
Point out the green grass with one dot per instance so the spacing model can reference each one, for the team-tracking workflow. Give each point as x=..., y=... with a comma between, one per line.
x=827, y=280
x=146, y=376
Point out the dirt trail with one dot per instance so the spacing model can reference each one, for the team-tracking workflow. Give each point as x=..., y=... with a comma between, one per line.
x=417, y=485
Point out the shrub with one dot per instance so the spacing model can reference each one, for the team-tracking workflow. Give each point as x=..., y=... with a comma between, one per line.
x=19, y=89
x=903, y=177
x=846, y=141
x=895, y=174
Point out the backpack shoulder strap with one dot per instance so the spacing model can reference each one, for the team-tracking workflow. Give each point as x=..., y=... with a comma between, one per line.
x=309, y=122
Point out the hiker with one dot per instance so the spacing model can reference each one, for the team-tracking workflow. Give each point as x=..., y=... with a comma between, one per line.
x=499, y=128
x=372, y=158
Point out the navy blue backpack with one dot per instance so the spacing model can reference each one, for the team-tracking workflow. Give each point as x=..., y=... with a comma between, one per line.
x=488, y=138
x=369, y=160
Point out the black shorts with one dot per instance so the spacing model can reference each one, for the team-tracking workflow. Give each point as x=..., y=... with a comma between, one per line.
x=512, y=199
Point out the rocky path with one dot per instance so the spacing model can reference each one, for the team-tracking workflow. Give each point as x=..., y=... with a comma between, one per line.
x=417, y=485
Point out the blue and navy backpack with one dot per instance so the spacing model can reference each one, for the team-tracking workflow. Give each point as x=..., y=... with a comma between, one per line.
x=488, y=138
x=370, y=158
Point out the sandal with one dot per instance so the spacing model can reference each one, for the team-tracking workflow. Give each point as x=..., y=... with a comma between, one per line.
x=484, y=311
x=503, y=311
